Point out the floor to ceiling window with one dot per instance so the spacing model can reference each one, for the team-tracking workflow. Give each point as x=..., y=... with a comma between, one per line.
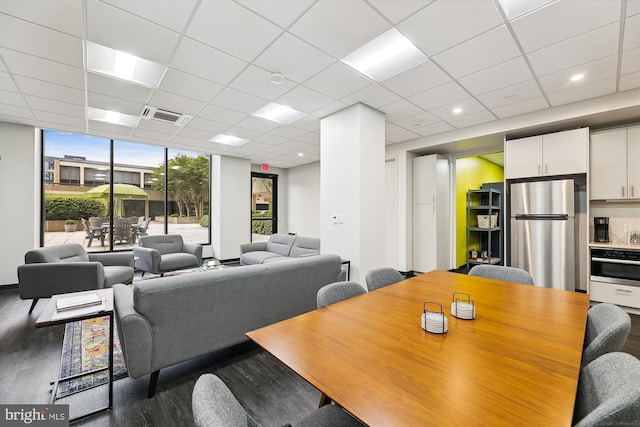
x=264, y=206
x=105, y=194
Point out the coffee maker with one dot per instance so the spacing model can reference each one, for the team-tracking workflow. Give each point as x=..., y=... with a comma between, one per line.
x=601, y=229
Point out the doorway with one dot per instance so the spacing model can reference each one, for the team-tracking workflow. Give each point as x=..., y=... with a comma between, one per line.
x=264, y=206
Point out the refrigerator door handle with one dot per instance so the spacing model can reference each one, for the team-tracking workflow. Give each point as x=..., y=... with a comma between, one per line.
x=541, y=217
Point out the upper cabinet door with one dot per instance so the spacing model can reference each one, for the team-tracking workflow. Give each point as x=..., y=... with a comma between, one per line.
x=608, y=165
x=633, y=161
x=565, y=152
x=523, y=157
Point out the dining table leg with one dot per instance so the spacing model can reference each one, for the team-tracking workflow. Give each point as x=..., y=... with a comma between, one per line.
x=324, y=400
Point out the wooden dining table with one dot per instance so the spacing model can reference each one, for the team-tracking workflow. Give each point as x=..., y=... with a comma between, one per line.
x=516, y=363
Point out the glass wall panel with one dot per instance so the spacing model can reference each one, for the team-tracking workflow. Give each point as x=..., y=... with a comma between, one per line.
x=264, y=209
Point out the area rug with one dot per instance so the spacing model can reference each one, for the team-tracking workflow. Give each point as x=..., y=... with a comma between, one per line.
x=85, y=348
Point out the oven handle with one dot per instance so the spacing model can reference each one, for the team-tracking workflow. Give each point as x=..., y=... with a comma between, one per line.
x=616, y=261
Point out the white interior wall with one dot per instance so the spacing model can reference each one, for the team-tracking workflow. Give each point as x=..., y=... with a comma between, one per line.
x=303, y=192
x=20, y=195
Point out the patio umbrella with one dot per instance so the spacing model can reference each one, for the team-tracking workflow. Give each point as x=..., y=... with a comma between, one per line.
x=120, y=192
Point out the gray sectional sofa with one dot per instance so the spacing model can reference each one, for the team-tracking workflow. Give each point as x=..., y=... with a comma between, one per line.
x=164, y=321
x=279, y=247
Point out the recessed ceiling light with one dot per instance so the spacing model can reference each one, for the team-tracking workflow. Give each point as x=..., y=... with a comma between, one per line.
x=300, y=154
x=229, y=140
x=123, y=65
x=384, y=56
x=276, y=78
x=416, y=123
x=457, y=110
x=112, y=117
x=577, y=77
x=279, y=113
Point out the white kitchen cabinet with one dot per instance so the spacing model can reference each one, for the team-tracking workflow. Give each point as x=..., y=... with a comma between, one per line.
x=431, y=214
x=613, y=172
x=559, y=153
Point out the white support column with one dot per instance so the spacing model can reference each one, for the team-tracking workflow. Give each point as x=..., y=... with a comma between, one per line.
x=352, y=187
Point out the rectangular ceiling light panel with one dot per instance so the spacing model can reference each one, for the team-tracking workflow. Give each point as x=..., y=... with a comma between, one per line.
x=388, y=54
x=112, y=117
x=279, y=113
x=229, y=140
x=123, y=65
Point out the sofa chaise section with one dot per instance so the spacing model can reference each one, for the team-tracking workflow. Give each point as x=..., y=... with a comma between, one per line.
x=164, y=321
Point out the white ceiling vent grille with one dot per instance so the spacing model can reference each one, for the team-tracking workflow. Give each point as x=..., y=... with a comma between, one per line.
x=155, y=113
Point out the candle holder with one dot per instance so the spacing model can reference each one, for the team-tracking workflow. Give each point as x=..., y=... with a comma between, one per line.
x=434, y=321
x=462, y=306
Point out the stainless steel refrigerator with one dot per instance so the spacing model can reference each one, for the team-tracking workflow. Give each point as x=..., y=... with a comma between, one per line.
x=543, y=231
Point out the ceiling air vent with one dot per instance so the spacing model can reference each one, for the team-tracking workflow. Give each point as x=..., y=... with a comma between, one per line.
x=155, y=113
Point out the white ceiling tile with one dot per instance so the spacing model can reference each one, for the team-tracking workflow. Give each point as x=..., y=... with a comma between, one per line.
x=434, y=129
x=402, y=136
x=206, y=62
x=373, y=95
x=173, y=14
x=304, y=99
x=633, y=8
x=43, y=69
x=630, y=81
x=444, y=24
x=231, y=28
x=469, y=107
x=308, y=123
x=255, y=80
x=417, y=121
x=271, y=139
x=221, y=114
x=110, y=103
x=522, y=107
x=134, y=35
x=12, y=98
x=578, y=50
x=195, y=134
x=6, y=83
x=35, y=87
x=108, y=130
x=36, y=40
x=423, y=76
x=210, y=126
x=312, y=138
x=502, y=75
x=66, y=16
x=337, y=81
x=390, y=129
x=46, y=104
x=181, y=83
x=631, y=33
x=293, y=58
x=630, y=61
x=438, y=96
x=258, y=124
x=15, y=111
x=479, y=53
x=329, y=109
x=288, y=132
x=562, y=20
x=296, y=145
x=400, y=109
x=601, y=88
x=238, y=101
x=338, y=27
x=472, y=119
x=104, y=85
x=511, y=94
x=155, y=130
x=396, y=10
x=49, y=116
x=242, y=132
x=282, y=12
x=176, y=103
x=595, y=71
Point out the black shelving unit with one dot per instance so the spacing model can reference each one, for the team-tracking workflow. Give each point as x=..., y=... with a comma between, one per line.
x=484, y=240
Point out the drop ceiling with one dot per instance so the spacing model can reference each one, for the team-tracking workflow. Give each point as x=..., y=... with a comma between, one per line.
x=220, y=55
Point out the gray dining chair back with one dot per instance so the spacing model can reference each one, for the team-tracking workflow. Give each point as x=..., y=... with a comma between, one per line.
x=214, y=405
x=609, y=392
x=338, y=291
x=608, y=327
x=381, y=277
x=501, y=272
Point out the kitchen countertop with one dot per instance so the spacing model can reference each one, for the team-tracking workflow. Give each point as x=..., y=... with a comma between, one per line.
x=614, y=245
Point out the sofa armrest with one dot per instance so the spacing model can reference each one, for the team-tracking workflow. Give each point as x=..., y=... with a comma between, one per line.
x=113, y=258
x=148, y=259
x=134, y=331
x=42, y=280
x=194, y=249
x=253, y=246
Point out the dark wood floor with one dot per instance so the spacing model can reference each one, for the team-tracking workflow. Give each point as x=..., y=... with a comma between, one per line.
x=30, y=358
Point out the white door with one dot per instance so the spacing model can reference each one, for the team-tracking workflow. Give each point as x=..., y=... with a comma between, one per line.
x=424, y=237
x=608, y=172
x=523, y=157
x=633, y=158
x=391, y=215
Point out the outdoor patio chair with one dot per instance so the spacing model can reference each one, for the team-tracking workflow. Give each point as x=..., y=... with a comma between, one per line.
x=122, y=232
x=91, y=232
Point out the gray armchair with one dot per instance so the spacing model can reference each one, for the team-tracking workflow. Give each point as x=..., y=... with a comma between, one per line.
x=69, y=268
x=501, y=272
x=608, y=327
x=381, y=277
x=159, y=254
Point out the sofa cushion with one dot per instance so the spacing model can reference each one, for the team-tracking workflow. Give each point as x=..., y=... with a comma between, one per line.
x=117, y=274
x=163, y=243
x=280, y=244
x=259, y=257
x=71, y=252
x=305, y=246
x=177, y=261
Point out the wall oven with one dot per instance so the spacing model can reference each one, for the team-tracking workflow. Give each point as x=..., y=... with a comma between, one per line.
x=615, y=276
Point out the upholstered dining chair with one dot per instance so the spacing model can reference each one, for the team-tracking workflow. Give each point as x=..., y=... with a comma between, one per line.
x=608, y=327
x=501, y=272
x=214, y=405
x=381, y=277
x=338, y=291
x=609, y=392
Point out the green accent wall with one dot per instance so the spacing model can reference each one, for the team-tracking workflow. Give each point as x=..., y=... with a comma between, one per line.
x=471, y=173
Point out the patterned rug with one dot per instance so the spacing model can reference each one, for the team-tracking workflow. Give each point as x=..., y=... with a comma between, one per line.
x=86, y=347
